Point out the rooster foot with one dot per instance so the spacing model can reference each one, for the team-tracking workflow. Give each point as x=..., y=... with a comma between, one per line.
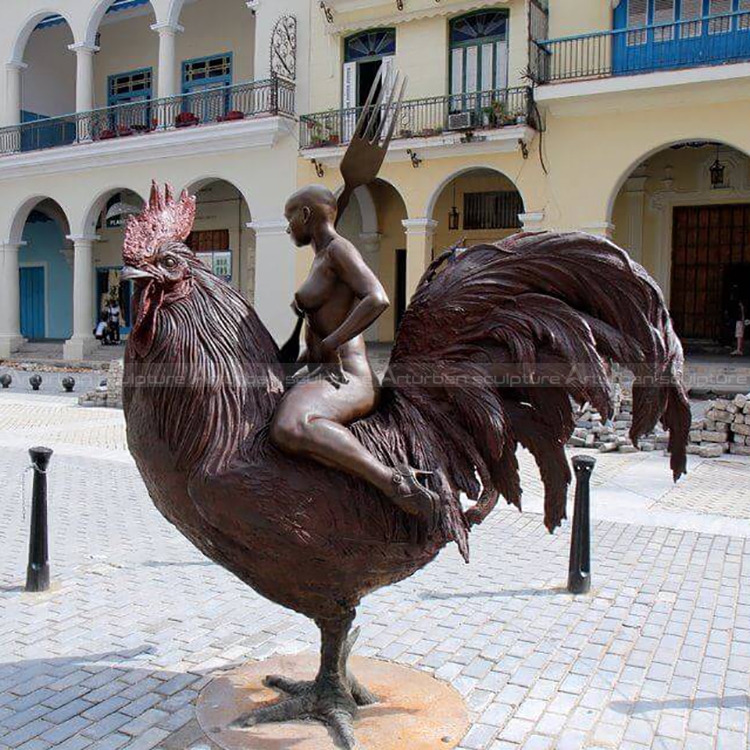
x=329, y=701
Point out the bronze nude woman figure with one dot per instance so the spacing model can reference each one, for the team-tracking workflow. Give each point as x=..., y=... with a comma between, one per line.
x=339, y=300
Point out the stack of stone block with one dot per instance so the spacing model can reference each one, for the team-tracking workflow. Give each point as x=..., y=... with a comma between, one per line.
x=591, y=431
x=725, y=429
x=109, y=394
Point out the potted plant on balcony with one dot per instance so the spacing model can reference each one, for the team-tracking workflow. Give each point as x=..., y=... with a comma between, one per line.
x=406, y=133
x=106, y=134
x=234, y=114
x=333, y=139
x=316, y=137
x=124, y=130
x=186, y=119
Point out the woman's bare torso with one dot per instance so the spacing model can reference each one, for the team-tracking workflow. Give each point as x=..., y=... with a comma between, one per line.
x=327, y=302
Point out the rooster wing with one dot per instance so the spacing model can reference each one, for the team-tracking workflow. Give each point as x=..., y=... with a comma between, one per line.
x=500, y=340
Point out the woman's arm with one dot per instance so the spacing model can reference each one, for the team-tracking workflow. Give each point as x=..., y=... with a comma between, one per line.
x=373, y=301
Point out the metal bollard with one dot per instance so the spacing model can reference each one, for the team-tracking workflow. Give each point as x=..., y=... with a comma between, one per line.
x=579, y=569
x=37, y=574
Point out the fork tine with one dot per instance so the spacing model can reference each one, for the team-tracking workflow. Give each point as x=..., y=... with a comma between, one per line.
x=375, y=119
x=387, y=109
x=396, y=115
x=364, y=119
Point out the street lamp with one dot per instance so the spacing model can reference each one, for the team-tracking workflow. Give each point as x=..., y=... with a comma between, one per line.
x=453, y=216
x=717, y=171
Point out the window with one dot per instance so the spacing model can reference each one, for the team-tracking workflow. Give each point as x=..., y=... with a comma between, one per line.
x=689, y=10
x=133, y=86
x=719, y=8
x=664, y=13
x=492, y=210
x=479, y=52
x=206, y=72
x=743, y=22
x=637, y=18
x=369, y=44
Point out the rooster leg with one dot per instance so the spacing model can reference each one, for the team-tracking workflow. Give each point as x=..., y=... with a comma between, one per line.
x=332, y=698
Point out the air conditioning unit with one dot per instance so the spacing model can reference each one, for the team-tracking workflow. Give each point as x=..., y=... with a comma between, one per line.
x=461, y=121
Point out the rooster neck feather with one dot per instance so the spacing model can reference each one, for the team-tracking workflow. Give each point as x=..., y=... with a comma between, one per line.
x=212, y=375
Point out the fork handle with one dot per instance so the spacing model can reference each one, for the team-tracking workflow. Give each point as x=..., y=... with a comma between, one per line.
x=343, y=202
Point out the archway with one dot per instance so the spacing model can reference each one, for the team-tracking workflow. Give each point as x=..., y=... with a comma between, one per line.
x=475, y=205
x=105, y=219
x=684, y=212
x=45, y=262
x=221, y=237
x=47, y=82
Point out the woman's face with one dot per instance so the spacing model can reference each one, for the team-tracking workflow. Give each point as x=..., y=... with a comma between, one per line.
x=298, y=216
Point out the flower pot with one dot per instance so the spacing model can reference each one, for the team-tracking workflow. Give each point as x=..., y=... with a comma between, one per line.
x=105, y=135
x=185, y=120
x=235, y=114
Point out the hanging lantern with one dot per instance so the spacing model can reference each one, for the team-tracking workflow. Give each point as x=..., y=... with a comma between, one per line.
x=454, y=217
x=717, y=172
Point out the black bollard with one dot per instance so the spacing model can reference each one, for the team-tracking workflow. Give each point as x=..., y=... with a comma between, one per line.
x=579, y=569
x=35, y=381
x=37, y=574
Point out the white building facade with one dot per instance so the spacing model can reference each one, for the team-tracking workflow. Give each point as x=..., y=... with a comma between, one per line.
x=98, y=98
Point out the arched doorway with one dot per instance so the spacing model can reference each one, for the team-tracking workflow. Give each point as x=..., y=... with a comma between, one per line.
x=221, y=237
x=106, y=221
x=45, y=265
x=47, y=84
x=474, y=206
x=684, y=213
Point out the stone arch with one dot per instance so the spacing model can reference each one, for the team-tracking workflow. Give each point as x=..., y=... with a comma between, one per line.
x=435, y=196
x=27, y=29
x=95, y=19
x=174, y=12
x=86, y=227
x=194, y=186
x=21, y=214
x=649, y=152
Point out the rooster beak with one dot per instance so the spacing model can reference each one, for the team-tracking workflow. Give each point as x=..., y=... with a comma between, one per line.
x=130, y=273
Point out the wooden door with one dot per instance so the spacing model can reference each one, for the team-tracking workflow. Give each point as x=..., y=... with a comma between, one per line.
x=705, y=241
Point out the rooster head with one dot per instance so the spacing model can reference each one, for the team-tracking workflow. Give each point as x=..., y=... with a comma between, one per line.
x=157, y=259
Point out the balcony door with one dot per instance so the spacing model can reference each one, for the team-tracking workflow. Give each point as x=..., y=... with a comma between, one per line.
x=364, y=56
x=478, y=60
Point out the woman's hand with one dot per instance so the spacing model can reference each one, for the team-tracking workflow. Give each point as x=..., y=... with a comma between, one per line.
x=330, y=367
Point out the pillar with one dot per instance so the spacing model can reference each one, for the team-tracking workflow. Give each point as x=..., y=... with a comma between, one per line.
x=532, y=221
x=635, y=196
x=275, y=276
x=604, y=229
x=10, y=300
x=167, y=74
x=419, y=234
x=13, y=74
x=84, y=85
x=82, y=342
x=369, y=248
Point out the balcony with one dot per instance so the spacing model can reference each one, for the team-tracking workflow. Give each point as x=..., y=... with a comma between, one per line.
x=444, y=125
x=149, y=119
x=706, y=41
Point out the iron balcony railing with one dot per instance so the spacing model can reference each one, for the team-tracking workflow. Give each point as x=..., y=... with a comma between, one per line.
x=220, y=104
x=708, y=40
x=422, y=118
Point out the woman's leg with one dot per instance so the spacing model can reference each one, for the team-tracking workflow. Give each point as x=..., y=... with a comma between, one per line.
x=309, y=422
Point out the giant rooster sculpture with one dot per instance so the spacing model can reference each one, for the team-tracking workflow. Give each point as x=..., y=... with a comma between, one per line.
x=203, y=378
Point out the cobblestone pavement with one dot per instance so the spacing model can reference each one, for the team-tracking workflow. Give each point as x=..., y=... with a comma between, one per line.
x=657, y=657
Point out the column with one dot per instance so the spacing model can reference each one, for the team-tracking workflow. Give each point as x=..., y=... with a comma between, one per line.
x=369, y=248
x=82, y=342
x=532, y=221
x=419, y=234
x=635, y=195
x=13, y=73
x=84, y=85
x=604, y=229
x=167, y=75
x=275, y=276
x=10, y=300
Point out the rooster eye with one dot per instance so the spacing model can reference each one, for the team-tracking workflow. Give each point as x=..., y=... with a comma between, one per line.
x=169, y=262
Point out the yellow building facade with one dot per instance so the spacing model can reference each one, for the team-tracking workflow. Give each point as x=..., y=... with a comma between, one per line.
x=626, y=119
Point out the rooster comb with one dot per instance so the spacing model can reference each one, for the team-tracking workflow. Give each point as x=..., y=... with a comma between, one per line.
x=163, y=220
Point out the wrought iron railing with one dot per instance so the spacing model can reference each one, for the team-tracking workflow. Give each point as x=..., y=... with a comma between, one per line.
x=422, y=118
x=708, y=40
x=220, y=104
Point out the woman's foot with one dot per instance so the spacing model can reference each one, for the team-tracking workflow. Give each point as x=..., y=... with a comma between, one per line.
x=409, y=494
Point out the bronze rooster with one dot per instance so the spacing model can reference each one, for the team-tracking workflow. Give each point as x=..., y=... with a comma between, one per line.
x=497, y=343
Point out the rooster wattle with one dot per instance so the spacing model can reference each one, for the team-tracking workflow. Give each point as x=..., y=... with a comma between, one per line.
x=497, y=343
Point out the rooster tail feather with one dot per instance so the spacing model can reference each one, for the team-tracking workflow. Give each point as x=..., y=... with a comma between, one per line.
x=498, y=343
